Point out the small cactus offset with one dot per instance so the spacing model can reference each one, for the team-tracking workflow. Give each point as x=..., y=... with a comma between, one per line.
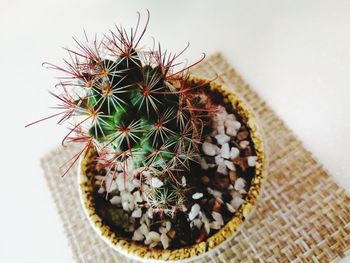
x=140, y=114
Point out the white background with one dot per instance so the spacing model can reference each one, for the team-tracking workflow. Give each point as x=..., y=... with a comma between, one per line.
x=295, y=54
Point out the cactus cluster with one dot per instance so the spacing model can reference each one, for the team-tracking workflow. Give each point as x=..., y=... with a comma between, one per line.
x=136, y=109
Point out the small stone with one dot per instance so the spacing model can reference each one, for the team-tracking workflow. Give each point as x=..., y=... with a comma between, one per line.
x=143, y=229
x=183, y=181
x=222, y=169
x=234, y=153
x=221, y=129
x=236, y=202
x=251, y=161
x=230, y=208
x=110, y=184
x=153, y=244
x=197, y=196
x=120, y=182
x=210, y=149
x=116, y=200
x=137, y=197
x=167, y=225
x=198, y=223
x=231, y=117
x=156, y=183
x=215, y=225
x=137, y=236
x=127, y=201
x=222, y=138
x=194, y=211
x=130, y=186
x=218, y=218
x=225, y=151
x=101, y=190
x=242, y=135
x=136, y=182
x=243, y=144
x=165, y=240
x=231, y=131
x=240, y=184
x=219, y=160
x=153, y=236
x=206, y=223
x=171, y=233
x=203, y=163
x=205, y=180
x=230, y=165
x=214, y=193
x=137, y=213
x=233, y=176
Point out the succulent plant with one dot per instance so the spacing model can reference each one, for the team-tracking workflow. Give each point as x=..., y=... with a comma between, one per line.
x=136, y=109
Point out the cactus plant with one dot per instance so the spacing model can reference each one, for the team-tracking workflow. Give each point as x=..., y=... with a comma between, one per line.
x=136, y=109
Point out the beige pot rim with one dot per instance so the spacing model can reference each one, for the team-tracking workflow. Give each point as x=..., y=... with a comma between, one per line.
x=138, y=251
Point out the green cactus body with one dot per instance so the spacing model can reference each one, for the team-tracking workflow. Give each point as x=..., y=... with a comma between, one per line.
x=136, y=112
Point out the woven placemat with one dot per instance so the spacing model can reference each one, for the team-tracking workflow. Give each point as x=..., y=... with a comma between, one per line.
x=302, y=216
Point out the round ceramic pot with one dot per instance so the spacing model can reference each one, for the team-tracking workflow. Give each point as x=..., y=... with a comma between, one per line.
x=142, y=252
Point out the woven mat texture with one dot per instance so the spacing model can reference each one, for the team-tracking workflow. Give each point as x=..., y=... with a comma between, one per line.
x=302, y=216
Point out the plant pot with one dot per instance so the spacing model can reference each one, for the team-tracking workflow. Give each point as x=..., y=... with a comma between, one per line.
x=139, y=251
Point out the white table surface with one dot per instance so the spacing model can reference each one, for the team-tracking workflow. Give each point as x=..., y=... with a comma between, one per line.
x=295, y=54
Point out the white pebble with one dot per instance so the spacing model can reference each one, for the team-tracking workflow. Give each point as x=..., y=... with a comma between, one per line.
x=110, y=184
x=221, y=129
x=231, y=117
x=137, y=197
x=156, y=183
x=222, y=138
x=210, y=149
x=127, y=201
x=236, y=202
x=225, y=151
x=143, y=229
x=233, y=124
x=215, y=193
x=167, y=225
x=222, y=169
x=165, y=240
x=153, y=236
x=215, y=225
x=137, y=213
x=101, y=190
x=234, y=153
x=194, y=211
x=243, y=144
x=116, y=200
x=153, y=244
x=198, y=223
x=206, y=223
x=121, y=182
x=231, y=131
x=197, y=195
x=136, y=182
x=218, y=159
x=230, y=165
x=252, y=161
x=204, y=164
x=183, y=181
x=240, y=184
x=230, y=208
x=137, y=236
x=217, y=217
